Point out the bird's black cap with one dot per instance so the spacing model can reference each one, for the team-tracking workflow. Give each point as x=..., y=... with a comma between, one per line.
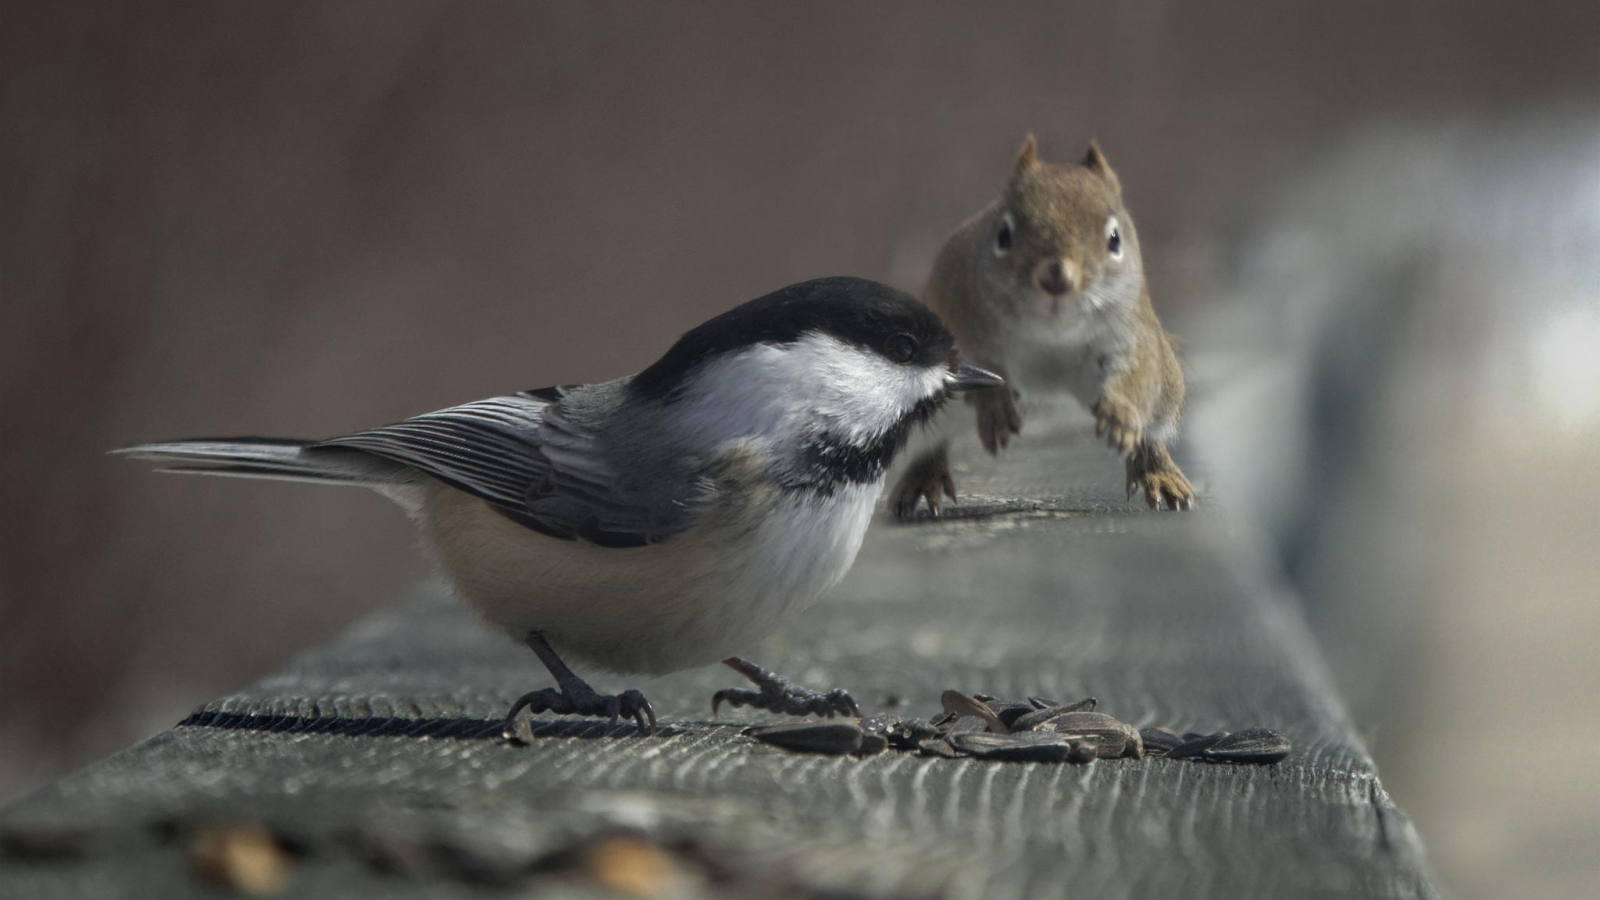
x=853, y=310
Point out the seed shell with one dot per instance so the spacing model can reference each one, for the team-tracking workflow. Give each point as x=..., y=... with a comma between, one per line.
x=910, y=732
x=1009, y=713
x=832, y=738
x=1261, y=746
x=1195, y=746
x=1050, y=718
x=1157, y=741
x=1085, y=750
x=1030, y=747
x=872, y=744
x=963, y=706
x=881, y=723
x=967, y=725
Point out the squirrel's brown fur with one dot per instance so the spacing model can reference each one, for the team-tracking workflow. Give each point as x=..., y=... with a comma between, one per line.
x=1046, y=287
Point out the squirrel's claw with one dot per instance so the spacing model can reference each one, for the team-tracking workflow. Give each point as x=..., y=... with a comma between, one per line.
x=1117, y=426
x=1152, y=470
x=928, y=478
x=998, y=417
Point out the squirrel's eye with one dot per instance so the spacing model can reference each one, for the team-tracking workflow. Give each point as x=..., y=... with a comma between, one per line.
x=1002, y=239
x=900, y=347
x=1114, y=240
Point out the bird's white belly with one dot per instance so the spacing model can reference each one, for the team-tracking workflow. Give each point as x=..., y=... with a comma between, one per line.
x=696, y=598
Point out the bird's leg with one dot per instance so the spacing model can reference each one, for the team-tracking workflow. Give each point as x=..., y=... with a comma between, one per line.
x=775, y=694
x=572, y=696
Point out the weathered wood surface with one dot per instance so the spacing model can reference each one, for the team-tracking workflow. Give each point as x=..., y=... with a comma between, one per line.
x=389, y=736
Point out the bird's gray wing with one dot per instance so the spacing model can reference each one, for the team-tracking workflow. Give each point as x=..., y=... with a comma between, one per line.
x=539, y=465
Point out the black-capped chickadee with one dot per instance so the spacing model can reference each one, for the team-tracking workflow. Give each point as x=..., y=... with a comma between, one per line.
x=662, y=520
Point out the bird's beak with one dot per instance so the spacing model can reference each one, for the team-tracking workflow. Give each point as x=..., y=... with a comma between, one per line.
x=969, y=377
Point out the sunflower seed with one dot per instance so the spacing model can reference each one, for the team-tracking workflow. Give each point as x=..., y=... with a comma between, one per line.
x=963, y=706
x=872, y=744
x=1031, y=747
x=1252, y=745
x=1087, y=704
x=1086, y=749
x=938, y=747
x=882, y=723
x=1009, y=713
x=1038, y=717
x=1117, y=738
x=810, y=737
x=1006, y=710
x=1194, y=746
x=966, y=725
x=908, y=733
x=1157, y=741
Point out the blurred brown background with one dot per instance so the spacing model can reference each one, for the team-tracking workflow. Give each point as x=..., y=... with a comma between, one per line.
x=1376, y=224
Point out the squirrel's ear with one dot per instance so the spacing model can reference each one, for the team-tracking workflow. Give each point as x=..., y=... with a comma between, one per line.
x=1095, y=161
x=1028, y=155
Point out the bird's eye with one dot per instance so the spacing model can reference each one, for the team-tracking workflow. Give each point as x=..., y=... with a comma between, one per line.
x=1113, y=239
x=900, y=347
x=1002, y=239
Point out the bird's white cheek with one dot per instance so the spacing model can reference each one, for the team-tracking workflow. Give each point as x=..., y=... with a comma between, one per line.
x=874, y=395
x=783, y=392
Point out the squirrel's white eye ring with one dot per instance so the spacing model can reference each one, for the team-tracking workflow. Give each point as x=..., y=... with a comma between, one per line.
x=1003, y=237
x=1113, y=238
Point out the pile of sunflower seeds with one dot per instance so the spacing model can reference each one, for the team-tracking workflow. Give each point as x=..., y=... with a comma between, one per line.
x=1034, y=730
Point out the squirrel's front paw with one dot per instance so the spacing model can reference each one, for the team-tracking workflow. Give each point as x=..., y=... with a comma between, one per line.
x=927, y=477
x=1153, y=471
x=998, y=417
x=1117, y=424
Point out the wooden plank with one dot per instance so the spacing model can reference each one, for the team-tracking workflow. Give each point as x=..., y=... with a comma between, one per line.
x=387, y=738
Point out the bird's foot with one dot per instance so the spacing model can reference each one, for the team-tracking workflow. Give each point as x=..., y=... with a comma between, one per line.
x=581, y=700
x=775, y=694
x=574, y=697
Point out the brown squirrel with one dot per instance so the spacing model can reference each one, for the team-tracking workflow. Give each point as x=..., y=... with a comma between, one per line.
x=1045, y=286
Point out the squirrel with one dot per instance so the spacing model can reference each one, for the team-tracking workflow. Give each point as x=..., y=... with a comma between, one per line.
x=1045, y=286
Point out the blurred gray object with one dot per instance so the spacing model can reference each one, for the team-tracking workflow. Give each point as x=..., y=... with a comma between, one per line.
x=1408, y=397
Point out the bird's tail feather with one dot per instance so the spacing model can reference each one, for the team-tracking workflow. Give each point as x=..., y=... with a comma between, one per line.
x=276, y=458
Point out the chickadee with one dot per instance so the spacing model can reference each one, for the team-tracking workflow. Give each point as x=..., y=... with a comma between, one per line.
x=663, y=520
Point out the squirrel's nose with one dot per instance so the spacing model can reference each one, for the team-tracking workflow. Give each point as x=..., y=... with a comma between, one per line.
x=1058, y=276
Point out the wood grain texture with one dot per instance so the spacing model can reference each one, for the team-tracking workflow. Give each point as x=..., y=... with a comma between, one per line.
x=1169, y=619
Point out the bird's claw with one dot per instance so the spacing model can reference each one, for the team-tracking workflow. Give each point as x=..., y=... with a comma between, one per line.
x=774, y=693
x=583, y=701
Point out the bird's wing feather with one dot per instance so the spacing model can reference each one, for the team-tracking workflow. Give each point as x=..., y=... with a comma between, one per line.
x=489, y=448
x=537, y=466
